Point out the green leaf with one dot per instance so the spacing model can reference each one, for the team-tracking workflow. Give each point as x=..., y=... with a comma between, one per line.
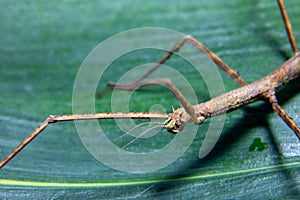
x=43, y=44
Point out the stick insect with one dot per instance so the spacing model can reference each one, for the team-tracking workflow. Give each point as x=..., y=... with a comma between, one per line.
x=262, y=89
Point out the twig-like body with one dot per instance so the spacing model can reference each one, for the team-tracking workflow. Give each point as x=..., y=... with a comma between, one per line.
x=263, y=89
x=234, y=99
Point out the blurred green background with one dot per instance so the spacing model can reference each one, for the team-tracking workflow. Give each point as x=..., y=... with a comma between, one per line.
x=42, y=45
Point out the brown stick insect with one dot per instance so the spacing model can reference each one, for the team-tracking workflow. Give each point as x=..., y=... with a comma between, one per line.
x=262, y=89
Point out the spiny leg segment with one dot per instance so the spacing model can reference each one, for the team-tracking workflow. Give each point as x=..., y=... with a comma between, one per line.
x=166, y=82
x=284, y=116
x=288, y=26
x=63, y=118
x=272, y=98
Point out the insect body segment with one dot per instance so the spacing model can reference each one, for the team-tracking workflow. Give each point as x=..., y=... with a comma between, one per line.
x=264, y=88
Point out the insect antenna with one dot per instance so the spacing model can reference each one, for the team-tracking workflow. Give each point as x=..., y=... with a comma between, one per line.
x=143, y=133
x=135, y=127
